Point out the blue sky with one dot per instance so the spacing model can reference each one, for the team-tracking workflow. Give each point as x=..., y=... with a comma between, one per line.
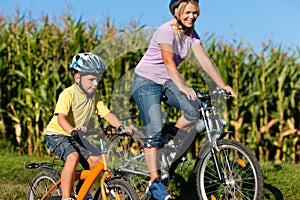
x=254, y=22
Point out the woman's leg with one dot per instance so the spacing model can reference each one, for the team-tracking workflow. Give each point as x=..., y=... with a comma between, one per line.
x=184, y=124
x=180, y=101
x=147, y=96
x=151, y=161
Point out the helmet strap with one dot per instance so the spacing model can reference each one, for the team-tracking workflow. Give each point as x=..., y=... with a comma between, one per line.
x=89, y=96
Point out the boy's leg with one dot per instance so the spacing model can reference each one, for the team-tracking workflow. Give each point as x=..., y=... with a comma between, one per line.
x=68, y=174
x=63, y=147
x=88, y=160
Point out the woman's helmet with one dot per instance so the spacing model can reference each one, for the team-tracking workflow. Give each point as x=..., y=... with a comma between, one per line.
x=88, y=63
x=175, y=3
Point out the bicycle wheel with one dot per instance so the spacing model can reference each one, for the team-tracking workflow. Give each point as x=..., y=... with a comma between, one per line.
x=41, y=183
x=119, y=187
x=240, y=168
x=127, y=160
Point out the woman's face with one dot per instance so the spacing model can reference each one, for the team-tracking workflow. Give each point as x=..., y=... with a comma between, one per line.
x=189, y=15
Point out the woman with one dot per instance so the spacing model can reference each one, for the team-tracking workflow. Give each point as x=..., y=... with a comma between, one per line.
x=157, y=74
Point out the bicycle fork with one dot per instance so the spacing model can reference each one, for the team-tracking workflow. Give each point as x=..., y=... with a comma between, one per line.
x=106, y=174
x=212, y=120
x=221, y=176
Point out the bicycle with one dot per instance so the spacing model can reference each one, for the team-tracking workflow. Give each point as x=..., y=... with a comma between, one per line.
x=224, y=168
x=46, y=184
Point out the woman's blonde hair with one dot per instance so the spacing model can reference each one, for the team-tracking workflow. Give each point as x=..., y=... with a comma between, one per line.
x=178, y=11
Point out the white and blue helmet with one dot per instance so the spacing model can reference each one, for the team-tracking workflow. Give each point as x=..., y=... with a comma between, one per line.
x=88, y=63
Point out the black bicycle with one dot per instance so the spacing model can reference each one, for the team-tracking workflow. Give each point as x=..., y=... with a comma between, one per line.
x=224, y=169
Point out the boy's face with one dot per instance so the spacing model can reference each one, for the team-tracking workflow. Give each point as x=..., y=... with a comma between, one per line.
x=89, y=82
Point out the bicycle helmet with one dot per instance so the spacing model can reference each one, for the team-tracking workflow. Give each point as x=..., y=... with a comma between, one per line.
x=88, y=63
x=175, y=3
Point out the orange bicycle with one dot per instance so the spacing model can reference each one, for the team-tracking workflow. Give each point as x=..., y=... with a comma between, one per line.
x=46, y=184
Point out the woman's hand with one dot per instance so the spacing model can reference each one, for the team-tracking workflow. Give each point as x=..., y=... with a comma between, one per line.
x=189, y=92
x=229, y=90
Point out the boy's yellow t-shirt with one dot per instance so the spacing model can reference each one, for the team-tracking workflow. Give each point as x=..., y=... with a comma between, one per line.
x=78, y=108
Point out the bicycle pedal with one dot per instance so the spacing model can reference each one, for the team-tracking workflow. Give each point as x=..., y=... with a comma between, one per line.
x=53, y=198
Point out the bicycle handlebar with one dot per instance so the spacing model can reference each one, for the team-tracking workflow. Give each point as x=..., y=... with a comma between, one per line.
x=109, y=130
x=130, y=117
x=33, y=165
x=215, y=93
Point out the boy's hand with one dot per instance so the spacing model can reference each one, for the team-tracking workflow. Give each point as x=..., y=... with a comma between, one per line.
x=124, y=129
x=81, y=128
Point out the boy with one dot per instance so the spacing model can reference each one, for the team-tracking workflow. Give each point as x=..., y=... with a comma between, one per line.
x=73, y=111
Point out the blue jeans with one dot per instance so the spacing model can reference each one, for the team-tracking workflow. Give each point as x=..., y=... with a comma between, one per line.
x=147, y=95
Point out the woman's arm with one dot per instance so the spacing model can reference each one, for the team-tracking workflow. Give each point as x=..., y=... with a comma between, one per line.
x=210, y=68
x=168, y=58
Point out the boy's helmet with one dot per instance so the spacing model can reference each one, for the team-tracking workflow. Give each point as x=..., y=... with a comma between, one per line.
x=175, y=3
x=88, y=63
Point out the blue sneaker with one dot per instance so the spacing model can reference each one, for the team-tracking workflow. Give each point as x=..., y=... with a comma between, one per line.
x=158, y=190
x=88, y=196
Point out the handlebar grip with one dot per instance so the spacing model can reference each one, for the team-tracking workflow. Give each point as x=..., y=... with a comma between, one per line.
x=122, y=129
x=110, y=130
x=75, y=134
x=32, y=165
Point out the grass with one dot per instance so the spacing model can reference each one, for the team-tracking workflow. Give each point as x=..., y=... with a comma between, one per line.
x=13, y=175
x=281, y=181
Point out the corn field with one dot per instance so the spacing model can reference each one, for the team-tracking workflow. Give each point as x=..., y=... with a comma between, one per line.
x=35, y=55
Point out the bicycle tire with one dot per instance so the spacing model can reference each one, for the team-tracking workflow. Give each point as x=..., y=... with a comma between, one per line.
x=40, y=184
x=245, y=181
x=117, y=185
x=120, y=150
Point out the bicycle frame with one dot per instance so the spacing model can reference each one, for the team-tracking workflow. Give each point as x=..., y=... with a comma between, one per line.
x=214, y=132
x=211, y=120
x=89, y=177
x=221, y=162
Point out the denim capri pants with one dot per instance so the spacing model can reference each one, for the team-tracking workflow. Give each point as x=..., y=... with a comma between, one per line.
x=148, y=94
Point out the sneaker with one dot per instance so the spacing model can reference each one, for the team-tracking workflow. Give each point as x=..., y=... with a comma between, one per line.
x=88, y=196
x=158, y=190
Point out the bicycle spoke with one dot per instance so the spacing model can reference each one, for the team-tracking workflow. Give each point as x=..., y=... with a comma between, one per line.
x=238, y=169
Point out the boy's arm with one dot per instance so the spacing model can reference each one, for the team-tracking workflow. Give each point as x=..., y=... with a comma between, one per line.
x=63, y=122
x=114, y=121
x=66, y=126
